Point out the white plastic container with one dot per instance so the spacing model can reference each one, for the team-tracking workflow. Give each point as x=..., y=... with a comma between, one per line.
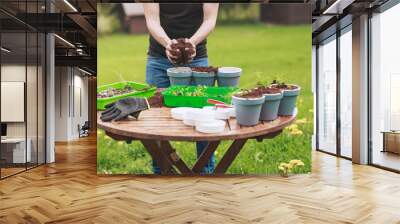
x=232, y=112
x=210, y=127
x=219, y=113
x=194, y=114
x=179, y=112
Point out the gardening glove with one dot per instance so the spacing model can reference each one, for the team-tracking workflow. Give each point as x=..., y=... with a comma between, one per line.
x=123, y=108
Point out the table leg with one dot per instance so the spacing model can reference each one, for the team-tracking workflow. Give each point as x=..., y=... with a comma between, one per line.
x=173, y=157
x=156, y=153
x=119, y=138
x=205, y=156
x=229, y=156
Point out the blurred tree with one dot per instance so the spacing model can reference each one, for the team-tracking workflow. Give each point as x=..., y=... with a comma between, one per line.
x=107, y=19
x=233, y=13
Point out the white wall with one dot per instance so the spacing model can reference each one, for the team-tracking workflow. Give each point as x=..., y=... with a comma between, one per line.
x=70, y=83
x=33, y=127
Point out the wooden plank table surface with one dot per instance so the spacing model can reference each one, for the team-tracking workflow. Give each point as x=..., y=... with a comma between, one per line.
x=155, y=128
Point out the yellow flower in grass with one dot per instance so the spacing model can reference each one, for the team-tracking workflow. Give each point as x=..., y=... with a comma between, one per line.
x=296, y=132
x=301, y=121
x=296, y=162
x=292, y=127
x=286, y=168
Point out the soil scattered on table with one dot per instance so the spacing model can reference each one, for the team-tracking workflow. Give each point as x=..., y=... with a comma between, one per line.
x=205, y=69
x=157, y=100
x=110, y=92
x=182, y=50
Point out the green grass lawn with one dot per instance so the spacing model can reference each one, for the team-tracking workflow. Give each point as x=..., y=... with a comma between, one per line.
x=264, y=52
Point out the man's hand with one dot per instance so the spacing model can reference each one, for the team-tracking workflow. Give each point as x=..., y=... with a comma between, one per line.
x=192, y=49
x=172, y=54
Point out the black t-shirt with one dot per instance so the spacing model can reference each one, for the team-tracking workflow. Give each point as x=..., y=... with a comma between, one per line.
x=179, y=21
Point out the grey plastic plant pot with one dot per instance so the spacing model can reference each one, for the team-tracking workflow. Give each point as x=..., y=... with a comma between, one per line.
x=228, y=76
x=247, y=110
x=288, y=102
x=180, y=76
x=203, y=78
x=270, y=108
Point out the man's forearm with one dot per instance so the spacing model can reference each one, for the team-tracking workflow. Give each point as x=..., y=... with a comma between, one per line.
x=158, y=33
x=205, y=29
x=151, y=13
x=210, y=11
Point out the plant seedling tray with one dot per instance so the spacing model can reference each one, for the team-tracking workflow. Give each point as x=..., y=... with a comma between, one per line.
x=196, y=96
x=139, y=90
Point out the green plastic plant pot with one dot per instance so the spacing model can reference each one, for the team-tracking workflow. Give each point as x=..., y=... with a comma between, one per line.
x=204, y=78
x=141, y=90
x=181, y=76
x=248, y=110
x=288, y=102
x=229, y=76
x=270, y=108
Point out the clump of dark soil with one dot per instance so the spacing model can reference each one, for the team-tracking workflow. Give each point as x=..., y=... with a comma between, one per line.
x=182, y=50
x=283, y=85
x=205, y=69
x=269, y=90
x=157, y=100
x=252, y=93
x=110, y=92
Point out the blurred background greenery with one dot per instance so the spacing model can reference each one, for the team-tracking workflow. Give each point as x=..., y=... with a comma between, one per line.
x=264, y=51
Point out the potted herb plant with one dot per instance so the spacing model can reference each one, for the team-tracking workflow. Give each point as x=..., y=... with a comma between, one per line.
x=179, y=76
x=270, y=107
x=248, y=105
x=228, y=76
x=288, y=102
x=204, y=76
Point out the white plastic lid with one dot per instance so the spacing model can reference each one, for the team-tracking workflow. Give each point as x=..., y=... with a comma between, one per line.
x=179, y=112
x=210, y=127
x=219, y=113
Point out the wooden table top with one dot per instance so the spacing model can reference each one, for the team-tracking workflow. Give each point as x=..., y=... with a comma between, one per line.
x=157, y=124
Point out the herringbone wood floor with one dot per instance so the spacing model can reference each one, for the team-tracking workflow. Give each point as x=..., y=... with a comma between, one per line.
x=69, y=191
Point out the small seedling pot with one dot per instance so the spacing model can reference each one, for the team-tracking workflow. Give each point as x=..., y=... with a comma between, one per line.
x=248, y=110
x=179, y=76
x=270, y=108
x=203, y=78
x=228, y=76
x=288, y=103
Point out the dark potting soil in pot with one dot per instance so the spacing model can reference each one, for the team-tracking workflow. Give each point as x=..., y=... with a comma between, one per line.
x=253, y=93
x=110, y=92
x=269, y=90
x=182, y=50
x=282, y=85
x=205, y=69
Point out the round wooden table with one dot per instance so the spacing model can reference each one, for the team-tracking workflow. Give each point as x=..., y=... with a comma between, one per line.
x=155, y=128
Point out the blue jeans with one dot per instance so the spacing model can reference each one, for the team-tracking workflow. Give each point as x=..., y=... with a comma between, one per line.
x=156, y=75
